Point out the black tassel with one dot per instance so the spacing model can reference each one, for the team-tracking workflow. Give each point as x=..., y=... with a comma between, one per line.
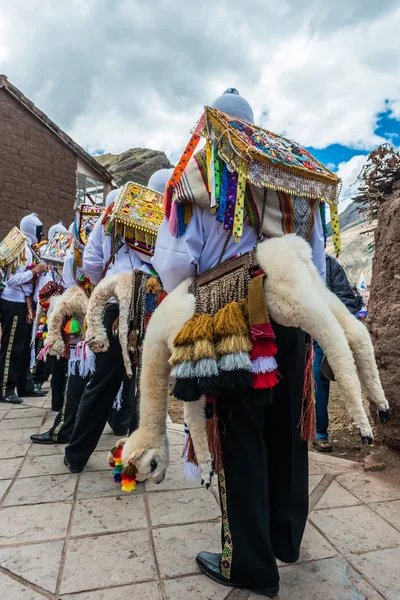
x=209, y=386
x=187, y=389
x=234, y=380
x=262, y=397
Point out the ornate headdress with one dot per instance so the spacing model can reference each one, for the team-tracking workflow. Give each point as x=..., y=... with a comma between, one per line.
x=86, y=216
x=239, y=153
x=136, y=216
x=56, y=249
x=12, y=251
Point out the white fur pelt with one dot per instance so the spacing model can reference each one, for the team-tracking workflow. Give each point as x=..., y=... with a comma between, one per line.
x=72, y=302
x=296, y=297
x=118, y=286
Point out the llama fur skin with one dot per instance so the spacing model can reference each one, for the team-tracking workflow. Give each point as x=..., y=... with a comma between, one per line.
x=73, y=302
x=150, y=442
x=296, y=297
x=120, y=287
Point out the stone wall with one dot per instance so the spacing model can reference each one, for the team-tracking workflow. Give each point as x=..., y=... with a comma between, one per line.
x=37, y=171
x=384, y=309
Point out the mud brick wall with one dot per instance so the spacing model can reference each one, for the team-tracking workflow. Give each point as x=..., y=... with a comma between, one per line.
x=37, y=171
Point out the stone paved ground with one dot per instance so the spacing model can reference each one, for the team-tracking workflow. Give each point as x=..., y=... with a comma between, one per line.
x=76, y=537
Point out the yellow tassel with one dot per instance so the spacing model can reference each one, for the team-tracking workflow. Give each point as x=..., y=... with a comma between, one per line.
x=208, y=160
x=186, y=334
x=204, y=348
x=181, y=354
x=203, y=327
x=153, y=286
x=233, y=343
x=229, y=321
x=335, y=228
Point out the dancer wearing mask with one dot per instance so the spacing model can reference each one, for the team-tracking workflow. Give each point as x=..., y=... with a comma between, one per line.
x=102, y=389
x=259, y=442
x=17, y=315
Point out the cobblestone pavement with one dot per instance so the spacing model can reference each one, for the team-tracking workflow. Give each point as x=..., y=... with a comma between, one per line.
x=77, y=537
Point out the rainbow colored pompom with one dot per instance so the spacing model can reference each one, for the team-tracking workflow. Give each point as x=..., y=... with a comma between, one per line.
x=124, y=475
x=73, y=326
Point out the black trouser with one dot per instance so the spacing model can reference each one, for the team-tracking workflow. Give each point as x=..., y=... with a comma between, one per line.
x=264, y=488
x=59, y=368
x=64, y=422
x=98, y=398
x=15, y=348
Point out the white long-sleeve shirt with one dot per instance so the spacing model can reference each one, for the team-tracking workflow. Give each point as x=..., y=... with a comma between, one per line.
x=200, y=247
x=97, y=253
x=20, y=284
x=69, y=279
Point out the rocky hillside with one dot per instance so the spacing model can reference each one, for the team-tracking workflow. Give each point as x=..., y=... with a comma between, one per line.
x=354, y=213
x=137, y=164
x=357, y=251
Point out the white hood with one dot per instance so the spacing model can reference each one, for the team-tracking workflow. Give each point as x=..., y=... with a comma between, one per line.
x=111, y=197
x=159, y=180
x=57, y=228
x=30, y=226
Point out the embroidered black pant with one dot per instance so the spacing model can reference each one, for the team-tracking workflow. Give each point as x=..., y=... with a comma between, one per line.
x=264, y=489
x=98, y=398
x=15, y=348
x=58, y=381
x=64, y=422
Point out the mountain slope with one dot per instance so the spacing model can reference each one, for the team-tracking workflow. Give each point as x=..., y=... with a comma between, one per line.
x=354, y=213
x=136, y=164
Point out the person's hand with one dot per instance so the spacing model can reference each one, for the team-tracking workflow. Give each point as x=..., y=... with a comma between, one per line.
x=40, y=268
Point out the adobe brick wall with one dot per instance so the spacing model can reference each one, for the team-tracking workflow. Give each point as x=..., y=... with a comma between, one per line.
x=37, y=171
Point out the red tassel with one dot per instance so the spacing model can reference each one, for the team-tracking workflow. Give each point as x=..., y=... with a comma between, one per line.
x=262, y=330
x=262, y=381
x=308, y=419
x=263, y=347
x=188, y=450
x=167, y=205
x=214, y=441
x=161, y=297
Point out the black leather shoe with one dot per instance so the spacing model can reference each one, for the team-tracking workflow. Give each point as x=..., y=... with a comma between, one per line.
x=12, y=399
x=210, y=564
x=72, y=469
x=45, y=438
x=35, y=392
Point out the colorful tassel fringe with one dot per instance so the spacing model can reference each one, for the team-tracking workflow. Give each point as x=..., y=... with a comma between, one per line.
x=263, y=364
x=73, y=326
x=126, y=475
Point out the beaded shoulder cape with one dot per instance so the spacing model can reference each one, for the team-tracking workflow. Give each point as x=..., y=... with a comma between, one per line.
x=136, y=216
x=56, y=249
x=12, y=253
x=238, y=155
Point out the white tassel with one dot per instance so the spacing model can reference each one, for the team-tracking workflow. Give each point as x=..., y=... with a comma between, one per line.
x=82, y=359
x=191, y=471
x=118, y=400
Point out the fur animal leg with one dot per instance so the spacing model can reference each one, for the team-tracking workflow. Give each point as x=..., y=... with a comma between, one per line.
x=73, y=302
x=361, y=346
x=96, y=332
x=150, y=443
x=195, y=419
x=124, y=299
x=293, y=301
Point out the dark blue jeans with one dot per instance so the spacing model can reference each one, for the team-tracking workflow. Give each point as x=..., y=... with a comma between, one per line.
x=321, y=394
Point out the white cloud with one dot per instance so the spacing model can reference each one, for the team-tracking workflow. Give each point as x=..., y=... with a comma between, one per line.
x=348, y=172
x=130, y=73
